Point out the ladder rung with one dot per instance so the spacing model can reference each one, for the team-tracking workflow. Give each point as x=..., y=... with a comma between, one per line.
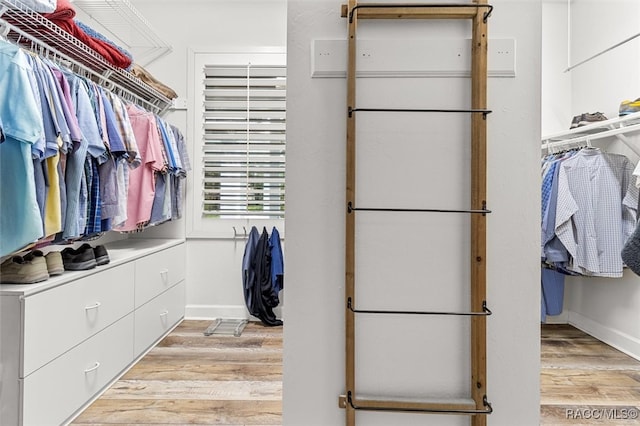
x=416, y=11
x=351, y=208
x=453, y=407
x=485, y=311
x=484, y=112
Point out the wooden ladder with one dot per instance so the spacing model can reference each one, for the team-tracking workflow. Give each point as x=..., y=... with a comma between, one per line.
x=478, y=406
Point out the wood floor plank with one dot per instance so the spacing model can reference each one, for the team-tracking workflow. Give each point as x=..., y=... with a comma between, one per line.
x=192, y=389
x=182, y=411
x=178, y=369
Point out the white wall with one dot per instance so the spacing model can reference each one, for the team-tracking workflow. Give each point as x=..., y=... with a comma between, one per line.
x=426, y=356
x=214, y=285
x=606, y=308
x=556, y=83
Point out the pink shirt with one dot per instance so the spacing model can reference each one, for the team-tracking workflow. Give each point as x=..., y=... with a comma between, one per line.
x=141, y=191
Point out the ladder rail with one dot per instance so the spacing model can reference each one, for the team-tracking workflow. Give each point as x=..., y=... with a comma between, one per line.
x=478, y=223
x=350, y=374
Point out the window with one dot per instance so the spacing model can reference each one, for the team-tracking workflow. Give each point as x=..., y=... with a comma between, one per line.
x=244, y=141
x=240, y=142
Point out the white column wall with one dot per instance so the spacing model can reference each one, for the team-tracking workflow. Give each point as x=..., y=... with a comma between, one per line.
x=427, y=356
x=556, y=84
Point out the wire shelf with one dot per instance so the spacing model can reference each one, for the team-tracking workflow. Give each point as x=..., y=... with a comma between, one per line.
x=34, y=32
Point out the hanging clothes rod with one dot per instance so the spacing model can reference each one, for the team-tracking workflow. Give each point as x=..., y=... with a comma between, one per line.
x=374, y=405
x=484, y=112
x=393, y=6
x=485, y=311
x=351, y=208
x=602, y=52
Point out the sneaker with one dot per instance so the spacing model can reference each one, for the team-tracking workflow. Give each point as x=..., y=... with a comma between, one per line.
x=629, y=107
x=55, y=265
x=99, y=252
x=78, y=260
x=576, y=121
x=36, y=257
x=589, y=118
x=17, y=270
x=102, y=257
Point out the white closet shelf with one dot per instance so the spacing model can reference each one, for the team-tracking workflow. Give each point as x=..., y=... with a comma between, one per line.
x=127, y=27
x=618, y=127
x=34, y=32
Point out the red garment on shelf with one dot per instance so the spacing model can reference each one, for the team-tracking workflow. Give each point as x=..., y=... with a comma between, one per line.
x=63, y=18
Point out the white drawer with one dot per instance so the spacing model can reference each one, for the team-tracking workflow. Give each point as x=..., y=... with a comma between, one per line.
x=158, y=272
x=60, y=318
x=55, y=392
x=157, y=317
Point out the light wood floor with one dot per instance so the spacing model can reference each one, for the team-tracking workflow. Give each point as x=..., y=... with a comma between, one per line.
x=224, y=380
x=189, y=378
x=583, y=378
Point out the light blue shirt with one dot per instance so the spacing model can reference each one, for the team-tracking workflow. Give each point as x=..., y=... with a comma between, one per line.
x=20, y=222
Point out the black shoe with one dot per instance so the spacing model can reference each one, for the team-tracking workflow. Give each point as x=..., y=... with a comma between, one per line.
x=99, y=252
x=78, y=260
x=101, y=255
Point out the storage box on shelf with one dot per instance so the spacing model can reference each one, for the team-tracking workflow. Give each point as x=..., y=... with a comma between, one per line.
x=64, y=340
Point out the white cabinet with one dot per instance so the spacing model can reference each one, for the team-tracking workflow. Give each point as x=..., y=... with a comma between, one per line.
x=63, y=341
x=158, y=273
x=52, y=392
x=62, y=317
x=158, y=316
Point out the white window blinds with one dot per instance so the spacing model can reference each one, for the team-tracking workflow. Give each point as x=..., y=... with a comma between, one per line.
x=244, y=119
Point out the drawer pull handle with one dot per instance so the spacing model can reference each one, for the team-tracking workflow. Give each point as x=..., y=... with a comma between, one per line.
x=164, y=275
x=94, y=306
x=165, y=313
x=95, y=367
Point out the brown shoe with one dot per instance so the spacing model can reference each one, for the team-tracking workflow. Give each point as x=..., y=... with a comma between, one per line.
x=17, y=270
x=55, y=266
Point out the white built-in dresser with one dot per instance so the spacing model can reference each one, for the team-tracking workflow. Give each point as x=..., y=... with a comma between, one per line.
x=65, y=340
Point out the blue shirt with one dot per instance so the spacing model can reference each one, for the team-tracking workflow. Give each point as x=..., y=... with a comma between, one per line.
x=20, y=222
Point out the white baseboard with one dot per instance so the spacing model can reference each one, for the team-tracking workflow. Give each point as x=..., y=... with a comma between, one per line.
x=563, y=318
x=630, y=345
x=194, y=312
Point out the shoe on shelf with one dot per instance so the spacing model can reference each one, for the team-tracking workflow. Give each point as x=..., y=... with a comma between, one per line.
x=102, y=257
x=78, y=260
x=55, y=265
x=629, y=107
x=99, y=253
x=19, y=270
x=589, y=118
x=35, y=256
x=576, y=121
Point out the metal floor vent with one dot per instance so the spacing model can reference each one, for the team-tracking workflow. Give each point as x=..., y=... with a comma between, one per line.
x=226, y=326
